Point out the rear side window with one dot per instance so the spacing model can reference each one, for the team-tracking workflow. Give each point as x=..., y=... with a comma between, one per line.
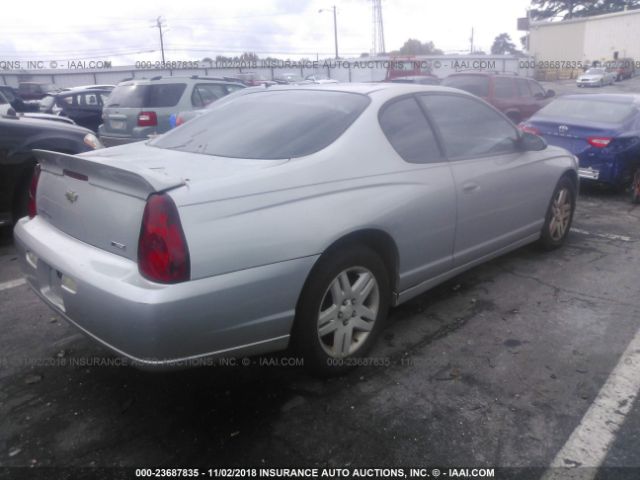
x=268, y=125
x=468, y=127
x=476, y=84
x=206, y=93
x=146, y=96
x=503, y=88
x=523, y=87
x=408, y=131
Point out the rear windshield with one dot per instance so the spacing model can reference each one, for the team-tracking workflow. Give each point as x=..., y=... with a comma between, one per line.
x=475, y=84
x=588, y=110
x=146, y=96
x=268, y=125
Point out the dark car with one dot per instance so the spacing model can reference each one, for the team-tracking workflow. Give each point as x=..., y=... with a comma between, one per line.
x=19, y=136
x=82, y=106
x=517, y=97
x=18, y=104
x=35, y=90
x=602, y=130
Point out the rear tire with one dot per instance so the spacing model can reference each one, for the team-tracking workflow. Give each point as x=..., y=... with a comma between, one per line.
x=559, y=215
x=341, y=310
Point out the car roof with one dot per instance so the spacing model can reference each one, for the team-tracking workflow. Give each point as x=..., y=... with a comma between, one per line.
x=606, y=97
x=389, y=89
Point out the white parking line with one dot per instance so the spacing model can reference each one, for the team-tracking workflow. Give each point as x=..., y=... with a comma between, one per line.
x=609, y=236
x=12, y=284
x=589, y=443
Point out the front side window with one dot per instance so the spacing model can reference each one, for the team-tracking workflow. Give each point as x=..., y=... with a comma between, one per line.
x=408, y=131
x=469, y=128
x=503, y=88
x=523, y=88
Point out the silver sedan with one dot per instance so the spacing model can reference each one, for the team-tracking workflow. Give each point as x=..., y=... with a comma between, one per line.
x=290, y=216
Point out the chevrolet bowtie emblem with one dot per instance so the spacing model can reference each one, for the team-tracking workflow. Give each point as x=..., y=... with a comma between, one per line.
x=71, y=196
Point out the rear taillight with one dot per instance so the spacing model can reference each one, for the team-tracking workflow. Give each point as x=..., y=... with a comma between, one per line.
x=32, y=208
x=529, y=129
x=599, y=142
x=163, y=255
x=147, y=119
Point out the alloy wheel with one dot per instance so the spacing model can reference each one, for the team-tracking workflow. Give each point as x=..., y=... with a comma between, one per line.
x=560, y=214
x=348, y=311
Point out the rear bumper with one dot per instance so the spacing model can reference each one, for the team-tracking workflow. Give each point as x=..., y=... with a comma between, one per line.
x=160, y=326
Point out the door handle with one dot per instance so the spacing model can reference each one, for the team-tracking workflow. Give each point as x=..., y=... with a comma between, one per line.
x=470, y=187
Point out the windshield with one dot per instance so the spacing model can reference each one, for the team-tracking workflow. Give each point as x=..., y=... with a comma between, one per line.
x=588, y=110
x=268, y=125
x=595, y=71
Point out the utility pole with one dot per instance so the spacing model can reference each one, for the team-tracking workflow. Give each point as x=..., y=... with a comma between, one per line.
x=471, y=40
x=335, y=29
x=159, y=25
x=335, y=26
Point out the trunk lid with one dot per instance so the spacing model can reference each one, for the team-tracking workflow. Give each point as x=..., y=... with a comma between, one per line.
x=574, y=137
x=99, y=197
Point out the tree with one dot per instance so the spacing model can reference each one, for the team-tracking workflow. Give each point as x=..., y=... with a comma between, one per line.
x=502, y=45
x=566, y=9
x=416, y=47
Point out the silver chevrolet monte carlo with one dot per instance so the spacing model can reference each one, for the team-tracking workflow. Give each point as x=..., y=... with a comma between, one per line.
x=290, y=216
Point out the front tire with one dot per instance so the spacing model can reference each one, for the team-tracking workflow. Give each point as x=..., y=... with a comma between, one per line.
x=341, y=310
x=559, y=215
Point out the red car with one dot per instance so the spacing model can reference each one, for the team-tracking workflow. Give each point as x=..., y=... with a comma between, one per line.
x=517, y=97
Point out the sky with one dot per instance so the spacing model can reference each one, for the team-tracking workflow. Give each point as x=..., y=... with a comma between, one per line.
x=124, y=31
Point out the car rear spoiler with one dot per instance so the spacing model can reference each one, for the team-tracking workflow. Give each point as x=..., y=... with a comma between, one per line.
x=107, y=173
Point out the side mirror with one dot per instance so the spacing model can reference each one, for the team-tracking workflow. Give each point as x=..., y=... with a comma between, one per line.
x=531, y=143
x=551, y=93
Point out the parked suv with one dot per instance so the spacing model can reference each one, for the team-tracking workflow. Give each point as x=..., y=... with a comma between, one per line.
x=517, y=97
x=84, y=107
x=140, y=109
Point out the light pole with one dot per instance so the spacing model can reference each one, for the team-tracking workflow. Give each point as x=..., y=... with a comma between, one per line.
x=335, y=25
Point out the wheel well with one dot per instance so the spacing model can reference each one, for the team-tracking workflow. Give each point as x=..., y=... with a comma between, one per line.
x=378, y=241
x=573, y=176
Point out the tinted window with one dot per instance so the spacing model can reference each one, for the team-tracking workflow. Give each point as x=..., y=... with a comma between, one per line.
x=468, y=127
x=407, y=130
x=207, y=93
x=146, y=96
x=585, y=109
x=476, y=84
x=523, y=87
x=268, y=124
x=503, y=88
